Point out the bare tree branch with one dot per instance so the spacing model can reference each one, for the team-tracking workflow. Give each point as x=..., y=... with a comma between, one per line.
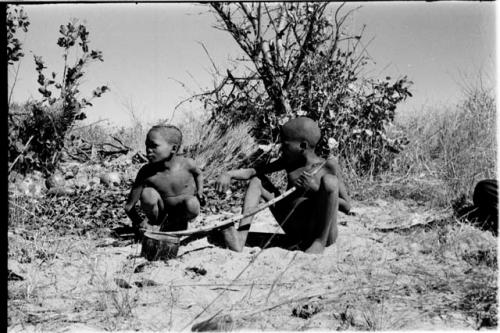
x=305, y=47
x=209, y=57
x=234, y=30
x=251, y=18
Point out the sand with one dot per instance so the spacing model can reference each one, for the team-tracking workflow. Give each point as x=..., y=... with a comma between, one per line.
x=364, y=281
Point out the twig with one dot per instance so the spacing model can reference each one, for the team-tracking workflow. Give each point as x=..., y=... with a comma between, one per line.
x=80, y=150
x=227, y=285
x=171, y=306
x=17, y=73
x=23, y=209
x=140, y=156
x=89, y=125
x=279, y=276
x=215, y=90
x=209, y=57
x=120, y=142
x=225, y=288
x=289, y=300
x=21, y=153
x=14, y=83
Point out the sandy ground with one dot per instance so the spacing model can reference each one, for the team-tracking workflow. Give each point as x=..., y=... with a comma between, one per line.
x=367, y=280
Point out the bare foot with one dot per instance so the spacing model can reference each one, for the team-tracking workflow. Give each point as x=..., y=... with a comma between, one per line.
x=232, y=238
x=316, y=248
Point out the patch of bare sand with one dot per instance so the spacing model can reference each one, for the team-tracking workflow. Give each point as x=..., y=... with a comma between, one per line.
x=361, y=282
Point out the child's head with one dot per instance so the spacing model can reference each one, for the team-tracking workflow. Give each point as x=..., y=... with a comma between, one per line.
x=162, y=142
x=298, y=136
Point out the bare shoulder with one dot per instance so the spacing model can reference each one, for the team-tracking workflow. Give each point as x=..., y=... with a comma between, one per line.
x=332, y=165
x=186, y=161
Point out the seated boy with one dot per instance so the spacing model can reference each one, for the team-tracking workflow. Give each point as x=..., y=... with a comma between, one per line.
x=169, y=185
x=309, y=215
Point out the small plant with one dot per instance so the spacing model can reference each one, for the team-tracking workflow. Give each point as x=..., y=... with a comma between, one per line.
x=36, y=141
x=16, y=19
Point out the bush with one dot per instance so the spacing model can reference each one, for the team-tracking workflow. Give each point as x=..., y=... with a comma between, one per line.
x=307, y=64
x=36, y=140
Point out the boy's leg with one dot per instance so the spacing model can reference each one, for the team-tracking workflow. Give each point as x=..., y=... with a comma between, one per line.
x=235, y=239
x=325, y=231
x=312, y=222
x=152, y=204
x=185, y=210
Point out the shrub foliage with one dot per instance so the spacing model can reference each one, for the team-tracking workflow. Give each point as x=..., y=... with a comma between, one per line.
x=36, y=139
x=16, y=19
x=307, y=64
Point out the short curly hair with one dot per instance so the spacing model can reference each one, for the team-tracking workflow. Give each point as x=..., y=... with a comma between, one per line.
x=171, y=133
x=302, y=129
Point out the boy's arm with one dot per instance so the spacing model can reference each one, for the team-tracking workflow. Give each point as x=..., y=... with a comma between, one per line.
x=344, y=200
x=133, y=198
x=198, y=176
x=244, y=174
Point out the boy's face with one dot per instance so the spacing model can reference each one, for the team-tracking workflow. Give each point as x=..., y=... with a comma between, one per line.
x=291, y=149
x=157, y=147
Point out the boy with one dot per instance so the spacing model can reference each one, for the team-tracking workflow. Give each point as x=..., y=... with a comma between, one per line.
x=309, y=215
x=168, y=185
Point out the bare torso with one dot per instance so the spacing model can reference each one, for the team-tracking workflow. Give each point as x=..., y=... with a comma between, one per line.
x=173, y=181
x=293, y=175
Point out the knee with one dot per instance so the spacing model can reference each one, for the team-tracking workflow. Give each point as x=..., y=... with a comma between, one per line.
x=329, y=183
x=192, y=206
x=255, y=182
x=149, y=197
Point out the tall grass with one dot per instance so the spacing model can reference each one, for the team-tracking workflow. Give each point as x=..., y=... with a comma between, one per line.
x=449, y=150
x=453, y=148
x=215, y=150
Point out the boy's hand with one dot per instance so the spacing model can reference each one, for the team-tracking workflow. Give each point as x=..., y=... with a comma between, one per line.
x=222, y=184
x=138, y=233
x=202, y=199
x=307, y=182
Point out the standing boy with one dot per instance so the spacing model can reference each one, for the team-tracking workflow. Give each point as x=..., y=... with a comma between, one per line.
x=168, y=186
x=309, y=215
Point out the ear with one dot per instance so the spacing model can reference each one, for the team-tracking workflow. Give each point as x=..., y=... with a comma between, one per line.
x=303, y=145
x=175, y=148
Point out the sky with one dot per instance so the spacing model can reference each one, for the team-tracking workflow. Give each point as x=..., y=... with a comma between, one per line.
x=153, y=57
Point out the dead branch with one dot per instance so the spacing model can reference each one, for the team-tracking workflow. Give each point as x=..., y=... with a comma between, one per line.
x=251, y=18
x=210, y=57
x=238, y=34
x=306, y=45
x=278, y=277
x=120, y=142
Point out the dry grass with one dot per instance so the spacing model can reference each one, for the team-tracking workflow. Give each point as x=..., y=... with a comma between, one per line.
x=215, y=151
x=449, y=151
x=63, y=279
x=396, y=283
x=457, y=145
